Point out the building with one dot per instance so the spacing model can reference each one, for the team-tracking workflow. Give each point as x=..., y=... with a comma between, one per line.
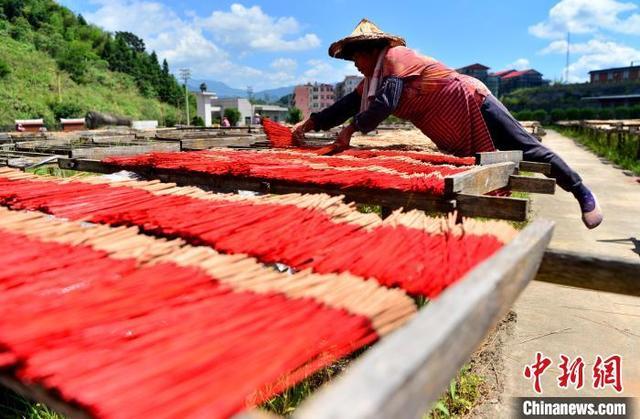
x=502, y=82
x=72, y=124
x=476, y=70
x=313, y=97
x=520, y=79
x=481, y=72
x=347, y=86
x=615, y=75
x=211, y=109
x=29, y=125
x=614, y=100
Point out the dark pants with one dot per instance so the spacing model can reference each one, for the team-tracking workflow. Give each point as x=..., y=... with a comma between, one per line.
x=508, y=134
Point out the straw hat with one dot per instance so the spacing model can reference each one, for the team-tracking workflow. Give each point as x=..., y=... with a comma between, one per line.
x=365, y=32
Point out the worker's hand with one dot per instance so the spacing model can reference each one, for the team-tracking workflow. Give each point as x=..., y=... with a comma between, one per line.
x=344, y=137
x=300, y=128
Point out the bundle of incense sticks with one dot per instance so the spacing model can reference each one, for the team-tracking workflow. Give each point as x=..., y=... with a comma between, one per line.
x=422, y=255
x=281, y=136
x=259, y=165
x=277, y=134
x=126, y=325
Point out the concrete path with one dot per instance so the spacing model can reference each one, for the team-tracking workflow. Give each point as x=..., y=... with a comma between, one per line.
x=558, y=320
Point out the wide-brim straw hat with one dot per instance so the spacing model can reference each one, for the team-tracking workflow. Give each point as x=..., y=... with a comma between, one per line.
x=365, y=32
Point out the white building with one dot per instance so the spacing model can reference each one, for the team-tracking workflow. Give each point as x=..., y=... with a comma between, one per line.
x=347, y=86
x=211, y=108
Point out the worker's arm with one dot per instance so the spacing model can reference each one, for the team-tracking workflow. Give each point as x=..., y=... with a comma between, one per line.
x=383, y=104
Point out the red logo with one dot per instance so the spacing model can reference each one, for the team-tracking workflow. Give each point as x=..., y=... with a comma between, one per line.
x=535, y=370
x=608, y=372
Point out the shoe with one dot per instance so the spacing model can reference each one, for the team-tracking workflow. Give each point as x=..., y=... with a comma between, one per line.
x=591, y=213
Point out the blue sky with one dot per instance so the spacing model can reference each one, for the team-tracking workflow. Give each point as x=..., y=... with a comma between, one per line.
x=274, y=43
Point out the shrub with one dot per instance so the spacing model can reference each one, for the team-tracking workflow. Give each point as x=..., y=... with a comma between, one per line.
x=573, y=114
x=525, y=115
x=197, y=121
x=294, y=116
x=66, y=110
x=622, y=112
x=605, y=113
x=634, y=111
x=4, y=69
x=233, y=115
x=539, y=115
x=586, y=113
x=558, y=115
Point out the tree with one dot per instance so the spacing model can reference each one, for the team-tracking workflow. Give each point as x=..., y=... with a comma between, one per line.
x=75, y=59
x=132, y=41
x=294, y=116
x=203, y=87
x=233, y=115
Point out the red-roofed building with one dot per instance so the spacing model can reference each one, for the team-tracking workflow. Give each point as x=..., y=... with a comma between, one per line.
x=614, y=75
x=504, y=81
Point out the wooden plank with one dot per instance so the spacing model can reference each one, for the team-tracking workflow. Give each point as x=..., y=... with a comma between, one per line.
x=515, y=209
x=96, y=153
x=596, y=272
x=532, y=184
x=389, y=198
x=84, y=165
x=492, y=157
x=407, y=371
x=535, y=167
x=479, y=180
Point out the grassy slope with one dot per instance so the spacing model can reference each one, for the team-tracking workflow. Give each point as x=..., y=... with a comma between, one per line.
x=31, y=86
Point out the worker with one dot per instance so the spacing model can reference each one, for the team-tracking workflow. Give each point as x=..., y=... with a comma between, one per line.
x=225, y=122
x=457, y=112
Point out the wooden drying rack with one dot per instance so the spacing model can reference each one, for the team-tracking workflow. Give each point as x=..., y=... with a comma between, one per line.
x=464, y=192
x=404, y=373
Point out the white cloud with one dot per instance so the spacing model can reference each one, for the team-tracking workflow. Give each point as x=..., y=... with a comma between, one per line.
x=327, y=71
x=284, y=64
x=588, y=16
x=519, y=64
x=594, y=55
x=251, y=28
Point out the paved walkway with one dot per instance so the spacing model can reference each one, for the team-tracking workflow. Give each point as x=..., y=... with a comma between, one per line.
x=556, y=320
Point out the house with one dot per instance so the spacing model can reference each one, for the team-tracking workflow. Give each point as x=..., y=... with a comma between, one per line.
x=313, y=97
x=615, y=75
x=211, y=108
x=476, y=70
x=517, y=79
x=29, y=125
x=347, y=86
x=72, y=124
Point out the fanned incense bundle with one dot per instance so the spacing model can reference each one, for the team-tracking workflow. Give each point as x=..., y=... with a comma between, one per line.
x=125, y=325
x=264, y=165
x=417, y=253
x=278, y=135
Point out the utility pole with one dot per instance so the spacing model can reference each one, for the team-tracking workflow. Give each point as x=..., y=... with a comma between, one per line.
x=566, y=76
x=185, y=75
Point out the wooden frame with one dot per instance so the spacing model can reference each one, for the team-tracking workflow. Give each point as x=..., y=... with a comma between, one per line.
x=472, y=182
x=596, y=272
x=407, y=371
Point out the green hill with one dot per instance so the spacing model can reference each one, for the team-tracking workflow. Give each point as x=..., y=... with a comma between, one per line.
x=53, y=64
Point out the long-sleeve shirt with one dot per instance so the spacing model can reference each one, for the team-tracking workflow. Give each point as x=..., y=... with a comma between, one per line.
x=383, y=104
x=443, y=104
